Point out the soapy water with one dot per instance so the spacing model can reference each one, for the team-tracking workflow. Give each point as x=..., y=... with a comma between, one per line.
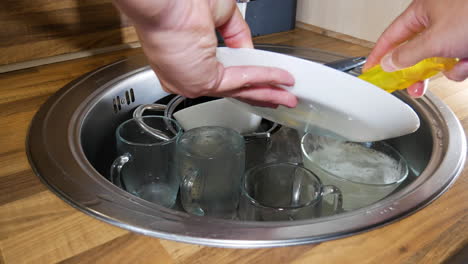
x=358, y=163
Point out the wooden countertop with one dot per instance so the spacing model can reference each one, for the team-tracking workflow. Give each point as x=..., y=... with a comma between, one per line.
x=38, y=227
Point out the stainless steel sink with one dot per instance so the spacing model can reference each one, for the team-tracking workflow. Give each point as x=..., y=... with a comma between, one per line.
x=71, y=146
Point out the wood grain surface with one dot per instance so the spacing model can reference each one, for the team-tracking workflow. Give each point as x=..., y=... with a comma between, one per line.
x=34, y=29
x=38, y=227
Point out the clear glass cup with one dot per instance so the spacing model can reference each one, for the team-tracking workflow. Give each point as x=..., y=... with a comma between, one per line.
x=210, y=164
x=283, y=192
x=364, y=172
x=145, y=165
x=282, y=146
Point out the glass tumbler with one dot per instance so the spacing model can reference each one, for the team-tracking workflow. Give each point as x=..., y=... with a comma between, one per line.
x=283, y=192
x=145, y=165
x=210, y=164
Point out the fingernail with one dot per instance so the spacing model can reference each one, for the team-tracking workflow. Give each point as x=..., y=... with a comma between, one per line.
x=290, y=80
x=417, y=90
x=287, y=79
x=387, y=63
x=291, y=101
x=422, y=90
x=365, y=68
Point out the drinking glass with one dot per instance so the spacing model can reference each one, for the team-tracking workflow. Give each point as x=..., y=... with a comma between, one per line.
x=364, y=172
x=210, y=164
x=145, y=165
x=282, y=192
x=282, y=146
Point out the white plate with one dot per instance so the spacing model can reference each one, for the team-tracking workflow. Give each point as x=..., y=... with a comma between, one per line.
x=219, y=112
x=331, y=102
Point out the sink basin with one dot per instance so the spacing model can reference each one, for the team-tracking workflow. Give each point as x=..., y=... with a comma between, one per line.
x=71, y=146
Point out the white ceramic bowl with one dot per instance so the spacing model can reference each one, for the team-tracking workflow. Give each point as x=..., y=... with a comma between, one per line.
x=219, y=112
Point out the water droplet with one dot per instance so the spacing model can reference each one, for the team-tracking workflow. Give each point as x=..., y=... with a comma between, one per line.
x=439, y=133
x=314, y=108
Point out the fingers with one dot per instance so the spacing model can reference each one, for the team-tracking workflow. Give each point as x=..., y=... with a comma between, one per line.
x=418, y=89
x=265, y=96
x=257, y=84
x=240, y=76
x=253, y=85
x=459, y=72
x=407, y=25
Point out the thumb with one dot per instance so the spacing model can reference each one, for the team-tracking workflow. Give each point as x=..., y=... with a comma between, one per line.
x=222, y=11
x=231, y=25
x=409, y=53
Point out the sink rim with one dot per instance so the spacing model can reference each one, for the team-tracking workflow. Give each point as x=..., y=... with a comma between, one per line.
x=443, y=168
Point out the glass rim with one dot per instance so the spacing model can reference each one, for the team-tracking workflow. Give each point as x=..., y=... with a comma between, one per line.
x=256, y=203
x=133, y=119
x=333, y=175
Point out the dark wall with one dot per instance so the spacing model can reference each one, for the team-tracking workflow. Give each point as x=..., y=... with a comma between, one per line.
x=271, y=16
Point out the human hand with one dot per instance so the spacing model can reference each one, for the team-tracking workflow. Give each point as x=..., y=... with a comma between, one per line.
x=427, y=28
x=178, y=38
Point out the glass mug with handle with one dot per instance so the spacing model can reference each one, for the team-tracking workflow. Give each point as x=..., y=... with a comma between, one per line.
x=283, y=192
x=210, y=164
x=145, y=166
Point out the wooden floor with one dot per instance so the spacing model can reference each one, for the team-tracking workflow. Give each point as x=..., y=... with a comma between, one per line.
x=38, y=227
